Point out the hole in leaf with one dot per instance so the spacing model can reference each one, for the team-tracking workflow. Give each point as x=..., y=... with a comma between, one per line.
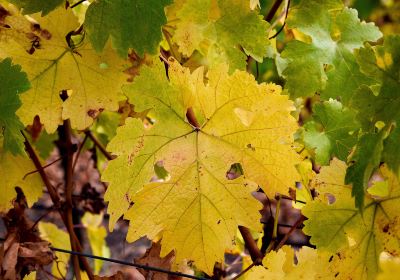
x=235, y=171
x=162, y=175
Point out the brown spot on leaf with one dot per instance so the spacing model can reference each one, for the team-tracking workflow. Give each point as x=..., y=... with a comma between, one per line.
x=45, y=34
x=3, y=14
x=93, y=113
x=385, y=228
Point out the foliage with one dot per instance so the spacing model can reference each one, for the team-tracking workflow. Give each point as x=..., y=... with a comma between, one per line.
x=196, y=121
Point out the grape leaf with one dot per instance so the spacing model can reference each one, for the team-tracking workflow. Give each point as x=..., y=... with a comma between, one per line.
x=97, y=238
x=13, y=83
x=35, y=6
x=380, y=63
x=130, y=24
x=281, y=265
x=365, y=160
x=198, y=209
x=380, y=102
x=337, y=227
x=59, y=239
x=389, y=266
x=332, y=131
x=12, y=171
x=220, y=30
x=334, y=32
x=93, y=80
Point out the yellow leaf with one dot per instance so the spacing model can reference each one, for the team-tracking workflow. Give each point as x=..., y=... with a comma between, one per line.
x=198, y=209
x=30, y=276
x=60, y=239
x=390, y=266
x=93, y=80
x=281, y=265
x=97, y=238
x=255, y=4
x=354, y=239
x=12, y=172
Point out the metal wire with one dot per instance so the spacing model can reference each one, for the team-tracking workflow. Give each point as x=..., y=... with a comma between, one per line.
x=145, y=267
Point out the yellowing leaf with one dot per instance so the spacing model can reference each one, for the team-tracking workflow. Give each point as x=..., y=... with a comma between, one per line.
x=30, y=276
x=338, y=228
x=97, y=238
x=223, y=31
x=389, y=267
x=93, y=80
x=198, y=210
x=254, y=4
x=60, y=239
x=281, y=265
x=12, y=172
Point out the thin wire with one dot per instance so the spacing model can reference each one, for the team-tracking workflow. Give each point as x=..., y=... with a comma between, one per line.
x=129, y=264
x=145, y=267
x=284, y=24
x=243, y=272
x=77, y=3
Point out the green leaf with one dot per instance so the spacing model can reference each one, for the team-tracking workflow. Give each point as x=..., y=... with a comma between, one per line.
x=35, y=6
x=13, y=82
x=223, y=31
x=391, y=152
x=332, y=33
x=365, y=160
x=130, y=24
x=332, y=131
x=380, y=102
x=382, y=64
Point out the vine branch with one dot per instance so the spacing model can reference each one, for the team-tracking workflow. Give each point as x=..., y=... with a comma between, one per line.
x=53, y=195
x=66, y=148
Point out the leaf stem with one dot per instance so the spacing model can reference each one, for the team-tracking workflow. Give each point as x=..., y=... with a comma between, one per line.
x=192, y=118
x=292, y=229
x=273, y=10
x=35, y=159
x=99, y=145
x=243, y=272
x=251, y=245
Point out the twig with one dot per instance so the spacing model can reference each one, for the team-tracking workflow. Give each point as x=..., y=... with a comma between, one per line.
x=273, y=10
x=66, y=148
x=251, y=245
x=99, y=145
x=292, y=229
x=41, y=217
x=45, y=166
x=284, y=24
x=274, y=236
x=289, y=198
x=243, y=271
x=50, y=188
x=79, y=152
